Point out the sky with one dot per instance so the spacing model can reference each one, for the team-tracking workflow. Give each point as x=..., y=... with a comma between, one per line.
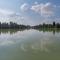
x=30, y=12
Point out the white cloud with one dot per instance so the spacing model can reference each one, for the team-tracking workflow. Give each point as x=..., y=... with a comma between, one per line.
x=7, y=16
x=4, y=15
x=4, y=12
x=35, y=2
x=44, y=9
x=24, y=7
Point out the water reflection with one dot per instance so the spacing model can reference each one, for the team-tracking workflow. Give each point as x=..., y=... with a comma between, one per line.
x=12, y=31
x=35, y=40
x=50, y=30
x=38, y=45
x=29, y=44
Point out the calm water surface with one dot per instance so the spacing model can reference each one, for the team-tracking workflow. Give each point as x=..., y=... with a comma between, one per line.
x=29, y=45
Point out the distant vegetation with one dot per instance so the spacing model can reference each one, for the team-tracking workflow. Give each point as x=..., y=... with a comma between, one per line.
x=12, y=25
x=47, y=26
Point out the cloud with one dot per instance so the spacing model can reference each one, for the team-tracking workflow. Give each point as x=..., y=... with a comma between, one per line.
x=35, y=2
x=46, y=9
x=43, y=11
x=4, y=12
x=5, y=15
x=24, y=7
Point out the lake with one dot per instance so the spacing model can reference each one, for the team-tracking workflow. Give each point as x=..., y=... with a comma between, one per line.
x=29, y=45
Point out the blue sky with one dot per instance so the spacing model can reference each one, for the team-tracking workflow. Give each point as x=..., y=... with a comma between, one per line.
x=30, y=12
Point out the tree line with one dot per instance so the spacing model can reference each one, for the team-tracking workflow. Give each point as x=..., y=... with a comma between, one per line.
x=13, y=25
x=53, y=25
